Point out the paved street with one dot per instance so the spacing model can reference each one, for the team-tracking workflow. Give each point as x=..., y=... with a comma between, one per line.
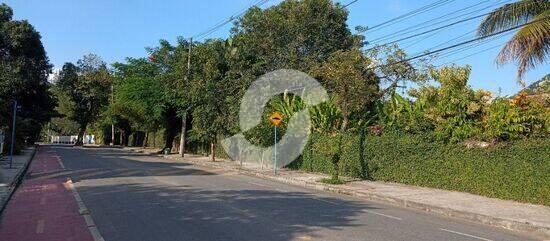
x=139, y=197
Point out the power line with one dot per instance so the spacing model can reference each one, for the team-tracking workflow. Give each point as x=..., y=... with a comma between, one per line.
x=472, y=45
x=407, y=15
x=470, y=55
x=434, y=29
x=421, y=25
x=461, y=43
x=350, y=3
x=228, y=20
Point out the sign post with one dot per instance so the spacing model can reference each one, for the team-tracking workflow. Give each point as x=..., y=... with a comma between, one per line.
x=276, y=119
x=13, y=132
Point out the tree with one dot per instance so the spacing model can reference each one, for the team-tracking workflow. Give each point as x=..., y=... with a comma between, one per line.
x=453, y=106
x=541, y=86
x=139, y=95
x=531, y=44
x=24, y=69
x=208, y=85
x=63, y=124
x=88, y=86
x=347, y=77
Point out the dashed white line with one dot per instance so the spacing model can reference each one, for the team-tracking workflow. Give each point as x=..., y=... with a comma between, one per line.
x=465, y=234
x=383, y=215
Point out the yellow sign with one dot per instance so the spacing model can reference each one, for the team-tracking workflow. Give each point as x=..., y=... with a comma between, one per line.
x=276, y=119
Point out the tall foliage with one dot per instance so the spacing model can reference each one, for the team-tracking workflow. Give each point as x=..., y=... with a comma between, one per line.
x=24, y=69
x=519, y=117
x=88, y=86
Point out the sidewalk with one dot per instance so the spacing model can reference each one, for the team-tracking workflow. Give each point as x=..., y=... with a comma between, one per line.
x=533, y=219
x=9, y=177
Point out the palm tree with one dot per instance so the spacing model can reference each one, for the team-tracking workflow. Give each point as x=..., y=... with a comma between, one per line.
x=530, y=46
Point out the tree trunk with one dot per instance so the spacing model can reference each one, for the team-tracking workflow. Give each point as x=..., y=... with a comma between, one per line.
x=213, y=151
x=345, y=121
x=145, y=139
x=171, y=124
x=80, y=138
x=183, y=133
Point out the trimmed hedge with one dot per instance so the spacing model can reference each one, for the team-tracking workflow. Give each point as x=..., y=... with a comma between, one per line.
x=517, y=171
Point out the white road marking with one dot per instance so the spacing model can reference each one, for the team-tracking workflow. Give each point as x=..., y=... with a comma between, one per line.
x=326, y=201
x=383, y=215
x=60, y=162
x=465, y=234
x=279, y=190
x=85, y=212
x=257, y=184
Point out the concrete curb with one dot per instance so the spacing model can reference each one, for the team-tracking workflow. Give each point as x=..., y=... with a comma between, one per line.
x=84, y=212
x=513, y=225
x=17, y=181
x=540, y=231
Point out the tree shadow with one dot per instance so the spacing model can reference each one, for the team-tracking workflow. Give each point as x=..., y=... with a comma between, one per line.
x=99, y=164
x=152, y=212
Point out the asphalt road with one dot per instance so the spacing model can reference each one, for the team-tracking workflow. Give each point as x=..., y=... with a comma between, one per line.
x=136, y=197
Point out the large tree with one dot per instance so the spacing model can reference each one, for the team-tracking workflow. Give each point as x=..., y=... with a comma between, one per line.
x=347, y=77
x=88, y=86
x=24, y=68
x=530, y=45
x=139, y=95
x=208, y=85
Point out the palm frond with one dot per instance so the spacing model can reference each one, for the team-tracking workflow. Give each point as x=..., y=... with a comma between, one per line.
x=529, y=46
x=511, y=15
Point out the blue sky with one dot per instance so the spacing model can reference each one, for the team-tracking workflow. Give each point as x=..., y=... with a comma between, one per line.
x=115, y=29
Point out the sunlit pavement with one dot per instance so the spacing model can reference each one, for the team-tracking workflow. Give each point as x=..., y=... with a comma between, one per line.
x=135, y=196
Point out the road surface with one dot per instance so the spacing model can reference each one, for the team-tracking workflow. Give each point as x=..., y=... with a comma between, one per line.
x=135, y=197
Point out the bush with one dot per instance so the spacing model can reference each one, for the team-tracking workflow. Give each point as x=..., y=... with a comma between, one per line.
x=512, y=119
x=517, y=170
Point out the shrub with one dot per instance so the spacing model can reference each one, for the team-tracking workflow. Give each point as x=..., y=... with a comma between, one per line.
x=517, y=170
x=511, y=119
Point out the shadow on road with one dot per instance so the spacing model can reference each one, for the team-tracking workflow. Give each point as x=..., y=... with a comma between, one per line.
x=152, y=212
x=174, y=201
x=103, y=163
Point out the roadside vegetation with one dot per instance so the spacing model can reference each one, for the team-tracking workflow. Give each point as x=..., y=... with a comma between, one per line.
x=439, y=132
x=24, y=69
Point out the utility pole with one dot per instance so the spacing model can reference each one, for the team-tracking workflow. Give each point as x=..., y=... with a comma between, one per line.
x=112, y=124
x=13, y=132
x=184, y=117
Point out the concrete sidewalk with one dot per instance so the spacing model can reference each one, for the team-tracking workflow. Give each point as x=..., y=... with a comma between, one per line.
x=522, y=217
x=9, y=177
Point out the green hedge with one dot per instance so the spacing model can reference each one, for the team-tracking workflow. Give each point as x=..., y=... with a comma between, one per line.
x=516, y=171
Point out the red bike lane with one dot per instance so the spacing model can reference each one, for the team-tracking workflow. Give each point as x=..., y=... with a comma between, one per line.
x=43, y=209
